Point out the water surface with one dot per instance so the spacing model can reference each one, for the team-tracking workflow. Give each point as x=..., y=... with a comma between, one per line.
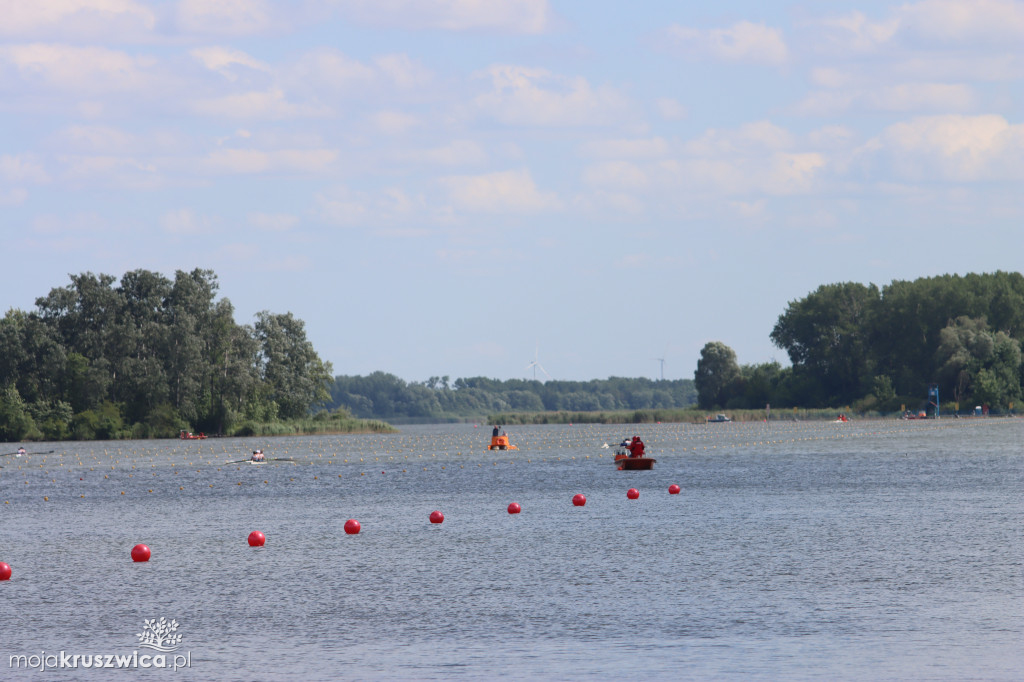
x=858, y=551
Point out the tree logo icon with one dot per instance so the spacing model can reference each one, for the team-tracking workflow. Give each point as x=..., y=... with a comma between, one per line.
x=160, y=635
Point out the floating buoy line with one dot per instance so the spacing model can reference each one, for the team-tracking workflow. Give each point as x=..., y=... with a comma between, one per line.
x=122, y=469
x=402, y=454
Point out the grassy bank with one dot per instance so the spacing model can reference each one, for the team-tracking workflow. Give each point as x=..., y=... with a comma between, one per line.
x=309, y=427
x=687, y=416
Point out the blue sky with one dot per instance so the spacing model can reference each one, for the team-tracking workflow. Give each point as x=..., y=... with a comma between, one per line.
x=453, y=187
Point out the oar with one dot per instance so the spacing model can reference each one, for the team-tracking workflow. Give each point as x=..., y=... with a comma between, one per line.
x=11, y=454
x=268, y=459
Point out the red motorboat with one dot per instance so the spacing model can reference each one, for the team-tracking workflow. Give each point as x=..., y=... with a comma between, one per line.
x=623, y=462
x=188, y=435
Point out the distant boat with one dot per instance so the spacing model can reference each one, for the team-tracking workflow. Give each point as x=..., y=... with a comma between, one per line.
x=188, y=435
x=718, y=418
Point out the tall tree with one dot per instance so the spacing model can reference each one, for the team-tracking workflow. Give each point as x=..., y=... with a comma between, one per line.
x=295, y=376
x=829, y=333
x=717, y=371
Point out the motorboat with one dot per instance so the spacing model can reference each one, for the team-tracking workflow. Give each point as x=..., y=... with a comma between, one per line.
x=623, y=462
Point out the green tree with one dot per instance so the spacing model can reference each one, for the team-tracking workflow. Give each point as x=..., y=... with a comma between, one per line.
x=15, y=420
x=717, y=371
x=979, y=364
x=829, y=333
x=295, y=376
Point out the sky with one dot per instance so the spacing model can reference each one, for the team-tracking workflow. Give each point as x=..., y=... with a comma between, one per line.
x=464, y=188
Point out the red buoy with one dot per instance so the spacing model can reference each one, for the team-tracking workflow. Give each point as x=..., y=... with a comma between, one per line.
x=5, y=571
x=578, y=500
x=140, y=553
x=673, y=489
x=352, y=527
x=256, y=539
x=436, y=517
x=632, y=493
x=514, y=508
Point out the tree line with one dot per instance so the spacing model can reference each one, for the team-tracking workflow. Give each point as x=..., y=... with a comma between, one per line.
x=876, y=349
x=148, y=356
x=385, y=396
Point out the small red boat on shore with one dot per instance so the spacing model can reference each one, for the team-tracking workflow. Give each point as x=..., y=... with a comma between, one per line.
x=188, y=435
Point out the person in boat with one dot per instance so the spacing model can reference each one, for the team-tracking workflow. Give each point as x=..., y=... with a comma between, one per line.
x=257, y=455
x=636, y=447
x=496, y=431
x=22, y=452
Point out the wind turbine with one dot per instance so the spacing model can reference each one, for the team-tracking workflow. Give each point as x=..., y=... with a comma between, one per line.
x=536, y=363
x=662, y=361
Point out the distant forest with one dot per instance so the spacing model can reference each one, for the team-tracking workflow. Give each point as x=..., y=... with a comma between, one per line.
x=385, y=396
x=870, y=349
x=147, y=356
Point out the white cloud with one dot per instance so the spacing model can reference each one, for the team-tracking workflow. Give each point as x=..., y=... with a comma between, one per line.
x=508, y=16
x=828, y=77
x=22, y=168
x=644, y=148
x=753, y=160
x=405, y=73
x=247, y=161
x=536, y=97
x=855, y=32
x=500, y=192
x=91, y=70
x=110, y=170
x=394, y=122
x=94, y=19
x=184, y=221
x=342, y=207
x=946, y=97
x=831, y=137
x=750, y=137
x=741, y=42
x=13, y=197
x=223, y=59
x=927, y=23
x=902, y=97
x=270, y=104
x=792, y=173
x=332, y=77
x=749, y=209
x=604, y=200
x=621, y=175
x=956, y=21
x=273, y=222
x=671, y=109
x=96, y=139
x=227, y=17
x=457, y=153
x=954, y=148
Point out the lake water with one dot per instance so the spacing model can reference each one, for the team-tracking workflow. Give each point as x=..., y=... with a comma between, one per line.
x=880, y=550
